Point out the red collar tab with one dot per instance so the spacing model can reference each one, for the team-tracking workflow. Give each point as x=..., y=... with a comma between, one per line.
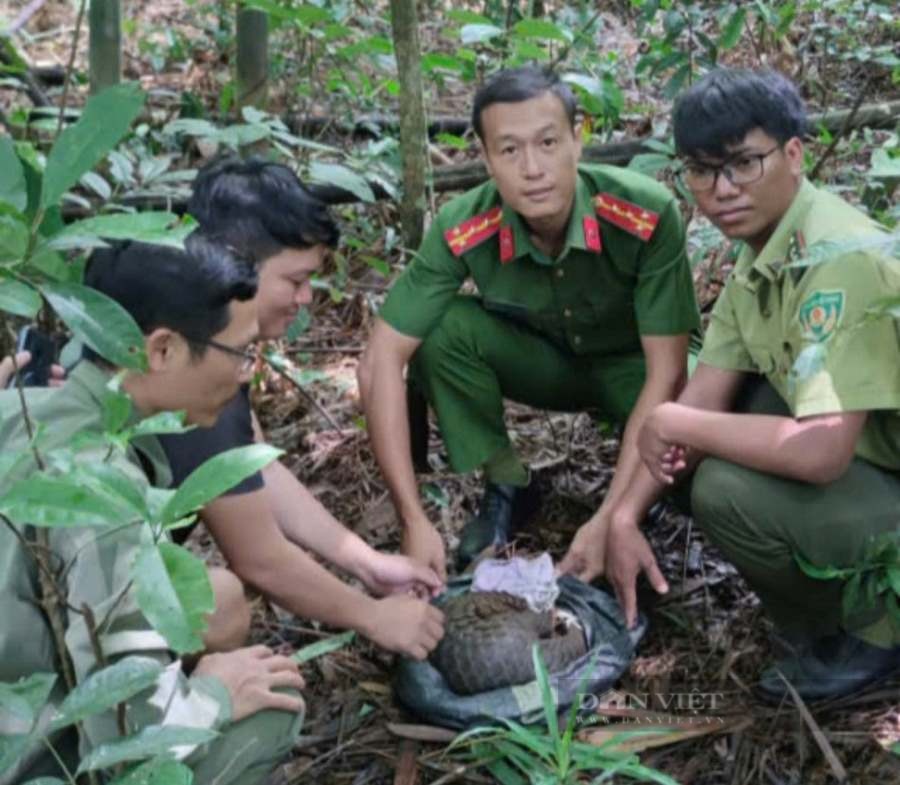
x=507, y=244
x=592, y=240
x=473, y=231
x=626, y=215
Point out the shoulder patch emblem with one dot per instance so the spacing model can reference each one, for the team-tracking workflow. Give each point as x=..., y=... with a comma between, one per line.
x=820, y=314
x=473, y=231
x=626, y=215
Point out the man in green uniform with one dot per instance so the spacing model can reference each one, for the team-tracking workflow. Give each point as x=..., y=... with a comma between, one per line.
x=585, y=301
x=805, y=463
x=198, y=317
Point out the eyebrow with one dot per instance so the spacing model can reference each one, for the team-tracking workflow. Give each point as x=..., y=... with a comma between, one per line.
x=514, y=138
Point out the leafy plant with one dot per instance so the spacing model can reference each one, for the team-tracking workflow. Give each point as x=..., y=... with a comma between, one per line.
x=875, y=578
x=547, y=755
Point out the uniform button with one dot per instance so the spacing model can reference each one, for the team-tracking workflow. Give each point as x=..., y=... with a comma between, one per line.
x=567, y=313
x=560, y=272
x=576, y=340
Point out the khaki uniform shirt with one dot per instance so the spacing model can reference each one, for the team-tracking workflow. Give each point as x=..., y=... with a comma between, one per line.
x=623, y=272
x=770, y=313
x=99, y=569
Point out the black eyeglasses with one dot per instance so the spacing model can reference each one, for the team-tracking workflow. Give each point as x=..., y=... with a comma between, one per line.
x=247, y=356
x=743, y=169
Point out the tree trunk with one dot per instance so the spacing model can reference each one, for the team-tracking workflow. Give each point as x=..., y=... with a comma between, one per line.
x=105, y=58
x=413, y=129
x=252, y=57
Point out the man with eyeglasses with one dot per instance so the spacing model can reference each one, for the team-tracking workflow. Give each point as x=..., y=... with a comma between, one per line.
x=791, y=415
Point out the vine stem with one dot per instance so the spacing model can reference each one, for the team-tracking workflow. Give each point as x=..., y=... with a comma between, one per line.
x=70, y=66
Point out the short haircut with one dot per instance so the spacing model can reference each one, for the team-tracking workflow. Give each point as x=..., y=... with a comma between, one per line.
x=259, y=208
x=521, y=84
x=188, y=291
x=728, y=103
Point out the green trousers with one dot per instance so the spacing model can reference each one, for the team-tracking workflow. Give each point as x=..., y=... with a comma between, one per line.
x=759, y=521
x=474, y=359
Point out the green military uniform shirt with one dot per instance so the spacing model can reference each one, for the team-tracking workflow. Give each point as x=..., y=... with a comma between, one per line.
x=623, y=272
x=98, y=568
x=769, y=313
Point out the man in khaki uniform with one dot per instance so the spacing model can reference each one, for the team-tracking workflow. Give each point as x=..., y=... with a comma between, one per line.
x=585, y=301
x=198, y=316
x=805, y=465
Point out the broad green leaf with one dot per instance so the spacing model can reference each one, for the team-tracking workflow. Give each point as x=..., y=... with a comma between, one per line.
x=100, y=322
x=542, y=29
x=467, y=17
x=13, y=190
x=164, y=422
x=479, y=33
x=19, y=298
x=52, y=265
x=326, y=646
x=883, y=165
x=116, y=410
x=150, y=742
x=159, y=771
x=850, y=596
x=42, y=500
x=11, y=748
x=217, y=475
x=731, y=31
x=893, y=574
x=342, y=177
x=173, y=591
x=300, y=324
x=107, y=688
x=104, y=121
x=14, y=236
x=649, y=163
x=122, y=490
x=25, y=698
x=160, y=228
x=46, y=781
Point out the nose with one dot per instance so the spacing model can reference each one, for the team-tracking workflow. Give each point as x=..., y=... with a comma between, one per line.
x=531, y=167
x=304, y=294
x=723, y=187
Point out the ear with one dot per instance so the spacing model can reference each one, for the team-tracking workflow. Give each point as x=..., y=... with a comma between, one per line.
x=793, y=151
x=162, y=345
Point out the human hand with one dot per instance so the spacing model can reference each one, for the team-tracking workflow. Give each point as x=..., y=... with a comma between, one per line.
x=586, y=554
x=389, y=573
x=664, y=459
x=251, y=675
x=627, y=555
x=8, y=369
x=406, y=625
x=422, y=543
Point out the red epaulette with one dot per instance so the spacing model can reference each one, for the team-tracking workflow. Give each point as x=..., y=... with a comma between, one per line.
x=626, y=215
x=473, y=231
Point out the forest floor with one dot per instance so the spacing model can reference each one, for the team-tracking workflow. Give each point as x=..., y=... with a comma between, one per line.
x=707, y=636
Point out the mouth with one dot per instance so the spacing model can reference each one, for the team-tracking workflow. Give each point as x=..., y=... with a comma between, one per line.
x=539, y=194
x=733, y=215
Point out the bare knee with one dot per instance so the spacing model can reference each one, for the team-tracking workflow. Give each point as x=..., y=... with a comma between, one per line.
x=229, y=623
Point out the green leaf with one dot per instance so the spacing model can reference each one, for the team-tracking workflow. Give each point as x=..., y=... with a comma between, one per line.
x=821, y=573
x=542, y=29
x=547, y=698
x=164, y=422
x=300, y=324
x=160, y=228
x=14, y=236
x=883, y=165
x=100, y=322
x=122, y=490
x=731, y=31
x=850, y=597
x=104, y=121
x=150, y=742
x=19, y=298
x=463, y=16
x=25, y=698
x=649, y=163
x=326, y=646
x=46, y=781
x=42, y=500
x=217, y=475
x=893, y=574
x=173, y=590
x=342, y=177
x=107, y=688
x=159, y=771
x=479, y=33
x=116, y=410
x=13, y=190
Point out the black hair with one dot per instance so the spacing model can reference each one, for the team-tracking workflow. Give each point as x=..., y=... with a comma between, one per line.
x=728, y=103
x=188, y=291
x=521, y=84
x=259, y=208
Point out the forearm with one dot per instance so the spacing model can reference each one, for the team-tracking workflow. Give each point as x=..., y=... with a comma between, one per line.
x=810, y=451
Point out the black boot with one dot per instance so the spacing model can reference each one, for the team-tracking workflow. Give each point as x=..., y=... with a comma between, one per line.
x=828, y=668
x=503, y=511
